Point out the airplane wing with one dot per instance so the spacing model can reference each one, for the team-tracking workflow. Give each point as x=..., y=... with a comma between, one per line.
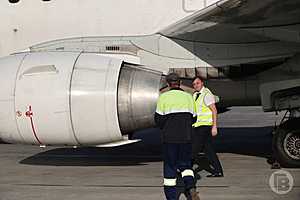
x=237, y=24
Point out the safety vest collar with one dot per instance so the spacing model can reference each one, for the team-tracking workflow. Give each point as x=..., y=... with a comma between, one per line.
x=178, y=88
x=202, y=89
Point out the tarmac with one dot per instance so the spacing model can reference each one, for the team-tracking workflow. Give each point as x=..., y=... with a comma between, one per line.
x=134, y=172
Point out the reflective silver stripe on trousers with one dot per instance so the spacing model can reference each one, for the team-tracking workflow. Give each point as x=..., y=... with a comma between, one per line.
x=187, y=172
x=169, y=181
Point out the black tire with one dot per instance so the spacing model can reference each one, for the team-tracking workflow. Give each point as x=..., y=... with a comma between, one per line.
x=286, y=150
x=13, y=1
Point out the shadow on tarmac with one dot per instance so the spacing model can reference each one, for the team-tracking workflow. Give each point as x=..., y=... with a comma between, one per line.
x=244, y=141
x=2, y=142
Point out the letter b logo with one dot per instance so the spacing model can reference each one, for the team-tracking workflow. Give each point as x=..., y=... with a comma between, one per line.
x=281, y=182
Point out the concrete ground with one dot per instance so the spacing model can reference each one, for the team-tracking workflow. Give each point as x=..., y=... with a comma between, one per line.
x=135, y=171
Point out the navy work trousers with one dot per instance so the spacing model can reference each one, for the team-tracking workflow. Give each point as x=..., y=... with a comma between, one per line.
x=177, y=157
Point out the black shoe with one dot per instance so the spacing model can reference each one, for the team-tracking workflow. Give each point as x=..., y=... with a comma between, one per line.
x=192, y=194
x=215, y=175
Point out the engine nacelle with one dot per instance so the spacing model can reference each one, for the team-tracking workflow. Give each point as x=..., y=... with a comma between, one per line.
x=64, y=98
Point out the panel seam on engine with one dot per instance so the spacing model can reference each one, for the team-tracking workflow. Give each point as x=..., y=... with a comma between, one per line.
x=70, y=99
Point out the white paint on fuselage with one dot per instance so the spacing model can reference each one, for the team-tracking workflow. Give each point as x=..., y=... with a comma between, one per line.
x=31, y=22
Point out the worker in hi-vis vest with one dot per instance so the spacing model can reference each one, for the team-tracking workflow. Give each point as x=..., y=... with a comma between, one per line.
x=205, y=128
x=174, y=115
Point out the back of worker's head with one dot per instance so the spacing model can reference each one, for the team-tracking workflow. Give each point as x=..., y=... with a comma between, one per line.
x=173, y=80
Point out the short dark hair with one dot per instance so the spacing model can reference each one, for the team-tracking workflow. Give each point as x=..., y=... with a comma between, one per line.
x=172, y=78
x=197, y=77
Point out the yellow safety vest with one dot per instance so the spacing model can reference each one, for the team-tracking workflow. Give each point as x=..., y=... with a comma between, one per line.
x=204, y=114
x=175, y=101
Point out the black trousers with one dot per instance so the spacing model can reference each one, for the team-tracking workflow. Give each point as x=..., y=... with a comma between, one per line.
x=202, y=142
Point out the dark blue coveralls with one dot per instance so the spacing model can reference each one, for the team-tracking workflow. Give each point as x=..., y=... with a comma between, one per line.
x=174, y=116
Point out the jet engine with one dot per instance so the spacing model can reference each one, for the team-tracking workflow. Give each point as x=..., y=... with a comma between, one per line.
x=67, y=98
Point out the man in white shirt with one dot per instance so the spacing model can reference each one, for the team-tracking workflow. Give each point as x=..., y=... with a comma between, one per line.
x=205, y=127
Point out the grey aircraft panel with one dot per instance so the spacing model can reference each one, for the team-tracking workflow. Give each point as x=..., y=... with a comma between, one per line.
x=238, y=21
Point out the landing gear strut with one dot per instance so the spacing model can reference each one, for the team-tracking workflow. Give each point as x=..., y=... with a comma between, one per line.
x=286, y=141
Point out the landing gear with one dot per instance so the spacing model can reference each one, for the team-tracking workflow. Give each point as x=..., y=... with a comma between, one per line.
x=286, y=141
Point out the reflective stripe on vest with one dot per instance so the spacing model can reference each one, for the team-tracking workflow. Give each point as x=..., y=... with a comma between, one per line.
x=204, y=114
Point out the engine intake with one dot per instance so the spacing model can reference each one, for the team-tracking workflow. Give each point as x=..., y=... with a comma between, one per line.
x=137, y=96
x=67, y=98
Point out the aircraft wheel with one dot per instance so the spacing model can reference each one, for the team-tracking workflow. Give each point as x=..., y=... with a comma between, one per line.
x=286, y=143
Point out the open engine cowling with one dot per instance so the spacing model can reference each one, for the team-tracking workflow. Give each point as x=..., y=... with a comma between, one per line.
x=64, y=98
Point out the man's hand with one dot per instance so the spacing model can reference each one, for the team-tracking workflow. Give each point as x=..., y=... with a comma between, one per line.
x=214, y=131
